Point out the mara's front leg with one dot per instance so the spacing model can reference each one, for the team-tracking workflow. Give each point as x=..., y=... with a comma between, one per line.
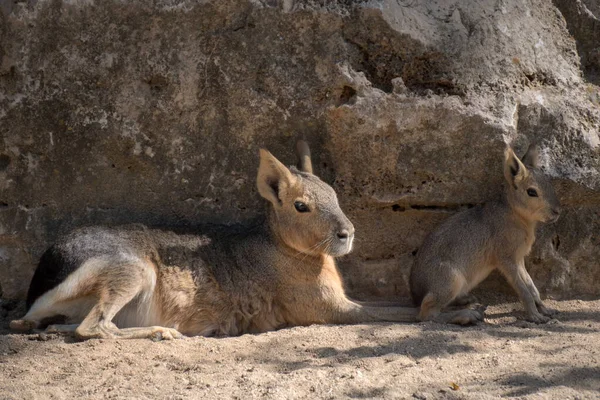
x=519, y=279
x=549, y=312
x=350, y=312
x=326, y=303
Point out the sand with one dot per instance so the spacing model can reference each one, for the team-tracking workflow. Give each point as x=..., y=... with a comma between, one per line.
x=503, y=357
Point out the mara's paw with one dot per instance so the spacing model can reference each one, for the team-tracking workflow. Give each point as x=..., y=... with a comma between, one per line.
x=465, y=300
x=64, y=329
x=468, y=317
x=478, y=307
x=549, y=312
x=537, y=318
x=22, y=325
x=52, y=329
x=161, y=333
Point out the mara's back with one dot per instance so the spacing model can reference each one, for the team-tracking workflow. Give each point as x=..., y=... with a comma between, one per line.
x=200, y=281
x=70, y=251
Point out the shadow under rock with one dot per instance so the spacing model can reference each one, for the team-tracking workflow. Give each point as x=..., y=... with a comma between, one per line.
x=9, y=310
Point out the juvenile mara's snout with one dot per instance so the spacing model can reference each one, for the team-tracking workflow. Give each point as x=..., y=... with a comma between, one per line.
x=529, y=190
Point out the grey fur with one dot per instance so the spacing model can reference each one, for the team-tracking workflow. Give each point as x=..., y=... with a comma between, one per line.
x=464, y=249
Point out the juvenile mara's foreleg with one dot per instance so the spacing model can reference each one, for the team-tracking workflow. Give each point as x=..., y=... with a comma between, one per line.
x=534, y=291
x=518, y=277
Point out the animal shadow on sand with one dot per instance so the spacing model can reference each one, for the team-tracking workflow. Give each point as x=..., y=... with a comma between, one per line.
x=439, y=343
x=579, y=378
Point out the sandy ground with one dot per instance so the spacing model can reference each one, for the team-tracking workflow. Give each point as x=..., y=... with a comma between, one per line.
x=502, y=357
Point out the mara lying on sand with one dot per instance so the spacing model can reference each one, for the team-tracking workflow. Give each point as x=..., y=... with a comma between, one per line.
x=137, y=282
x=468, y=246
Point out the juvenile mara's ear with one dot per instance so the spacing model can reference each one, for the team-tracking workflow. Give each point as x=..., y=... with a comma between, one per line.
x=272, y=177
x=514, y=170
x=303, y=152
x=531, y=157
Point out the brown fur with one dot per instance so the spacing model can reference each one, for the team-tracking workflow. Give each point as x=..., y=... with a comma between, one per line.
x=137, y=282
x=467, y=247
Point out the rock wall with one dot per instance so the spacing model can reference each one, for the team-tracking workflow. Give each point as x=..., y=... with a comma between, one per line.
x=120, y=111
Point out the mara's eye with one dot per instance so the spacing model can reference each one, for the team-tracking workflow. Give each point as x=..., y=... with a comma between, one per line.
x=301, y=207
x=532, y=192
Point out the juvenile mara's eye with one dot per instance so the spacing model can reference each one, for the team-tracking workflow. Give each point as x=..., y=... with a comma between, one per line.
x=532, y=192
x=301, y=207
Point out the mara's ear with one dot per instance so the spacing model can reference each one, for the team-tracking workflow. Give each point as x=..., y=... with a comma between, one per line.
x=272, y=176
x=514, y=169
x=303, y=152
x=531, y=157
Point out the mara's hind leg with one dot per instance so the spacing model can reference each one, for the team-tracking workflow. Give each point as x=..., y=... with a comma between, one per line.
x=59, y=304
x=23, y=325
x=434, y=302
x=61, y=328
x=94, y=294
x=32, y=320
x=117, y=290
x=464, y=300
x=465, y=316
x=431, y=310
x=72, y=298
x=98, y=324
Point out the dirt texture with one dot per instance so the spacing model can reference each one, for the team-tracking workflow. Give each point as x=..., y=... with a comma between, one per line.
x=115, y=112
x=504, y=357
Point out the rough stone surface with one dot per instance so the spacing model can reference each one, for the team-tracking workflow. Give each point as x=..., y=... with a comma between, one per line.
x=584, y=24
x=120, y=111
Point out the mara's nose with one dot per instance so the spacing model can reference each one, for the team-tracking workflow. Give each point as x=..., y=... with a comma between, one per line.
x=556, y=210
x=344, y=234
